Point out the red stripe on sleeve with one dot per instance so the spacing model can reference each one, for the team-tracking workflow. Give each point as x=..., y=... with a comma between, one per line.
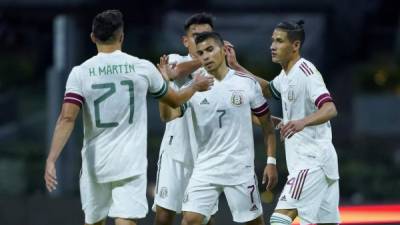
x=262, y=110
x=322, y=99
x=74, y=95
x=74, y=99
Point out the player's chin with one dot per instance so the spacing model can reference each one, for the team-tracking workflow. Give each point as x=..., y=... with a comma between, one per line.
x=210, y=67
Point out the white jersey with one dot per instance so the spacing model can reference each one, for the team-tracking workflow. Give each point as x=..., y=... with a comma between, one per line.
x=176, y=140
x=223, y=129
x=112, y=89
x=303, y=92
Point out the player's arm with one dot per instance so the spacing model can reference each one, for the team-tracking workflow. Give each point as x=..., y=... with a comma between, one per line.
x=177, y=71
x=260, y=108
x=177, y=98
x=270, y=171
x=277, y=121
x=234, y=64
x=167, y=113
x=183, y=69
x=64, y=126
x=325, y=113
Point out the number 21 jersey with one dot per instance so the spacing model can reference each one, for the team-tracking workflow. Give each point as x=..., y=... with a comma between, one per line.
x=111, y=88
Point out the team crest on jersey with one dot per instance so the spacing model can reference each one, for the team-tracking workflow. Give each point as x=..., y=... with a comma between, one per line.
x=236, y=98
x=163, y=192
x=290, y=95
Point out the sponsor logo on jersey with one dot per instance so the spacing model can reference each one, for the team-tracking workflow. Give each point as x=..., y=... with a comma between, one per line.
x=163, y=192
x=236, y=98
x=283, y=198
x=204, y=102
x=253, y=208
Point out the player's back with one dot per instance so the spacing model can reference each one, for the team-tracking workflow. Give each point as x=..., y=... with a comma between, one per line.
x=114, y=87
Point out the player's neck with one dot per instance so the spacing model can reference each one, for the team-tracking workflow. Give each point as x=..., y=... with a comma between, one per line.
x=108, y=48
x=221, y=72
x=289, y=64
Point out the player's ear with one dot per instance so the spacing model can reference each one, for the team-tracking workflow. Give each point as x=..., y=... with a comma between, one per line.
x=224, y=49
x=185, y=41
x=296, y=45
x=93, y=38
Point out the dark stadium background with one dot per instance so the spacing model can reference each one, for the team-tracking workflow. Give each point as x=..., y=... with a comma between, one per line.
x=355, y=44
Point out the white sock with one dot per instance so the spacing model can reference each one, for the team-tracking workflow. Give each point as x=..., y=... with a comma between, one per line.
x=280, y=219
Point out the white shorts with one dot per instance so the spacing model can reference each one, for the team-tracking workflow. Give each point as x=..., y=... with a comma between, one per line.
x=118, y=199
x=172, y=179
x=243, y=199
x=315, y=197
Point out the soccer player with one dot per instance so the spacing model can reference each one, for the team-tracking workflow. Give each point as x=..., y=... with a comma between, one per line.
x=223, y=131
x=111, y=89
x=312, y=188
x=175, y=162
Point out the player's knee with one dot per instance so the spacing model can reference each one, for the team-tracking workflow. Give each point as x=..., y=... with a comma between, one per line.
x=192, y=219
x=164, y=217
x=280, y=219
x=163, y=220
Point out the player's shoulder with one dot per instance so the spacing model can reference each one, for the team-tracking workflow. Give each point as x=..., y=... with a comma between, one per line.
x=88, y=62
x=143, y=64
x=245, y=77
x=133, y=59
x=279, y=76
x=76, y=70
x=306, y=68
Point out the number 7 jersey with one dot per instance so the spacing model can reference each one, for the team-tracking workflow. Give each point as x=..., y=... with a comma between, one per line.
x=223, y=129
x=111, y=88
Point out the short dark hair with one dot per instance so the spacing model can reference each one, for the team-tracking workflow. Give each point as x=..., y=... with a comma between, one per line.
x=206, y=35
x=294, y=30
x=199, y=18
x=106, y=24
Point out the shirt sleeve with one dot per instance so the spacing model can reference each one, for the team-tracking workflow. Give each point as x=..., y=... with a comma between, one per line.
x=73, y=89
x=259, y=105
x=183, y=108
x=158, y=87
x=317, y=91
x=275, y=87
x=174, y=58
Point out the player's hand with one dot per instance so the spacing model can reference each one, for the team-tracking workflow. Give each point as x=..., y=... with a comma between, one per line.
x=292, y=127
x=270, y=175
x=277, y=122
x=227, y=44
x=165, y=68
x=50, y=176
x=230, y=54
x=202, y=83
